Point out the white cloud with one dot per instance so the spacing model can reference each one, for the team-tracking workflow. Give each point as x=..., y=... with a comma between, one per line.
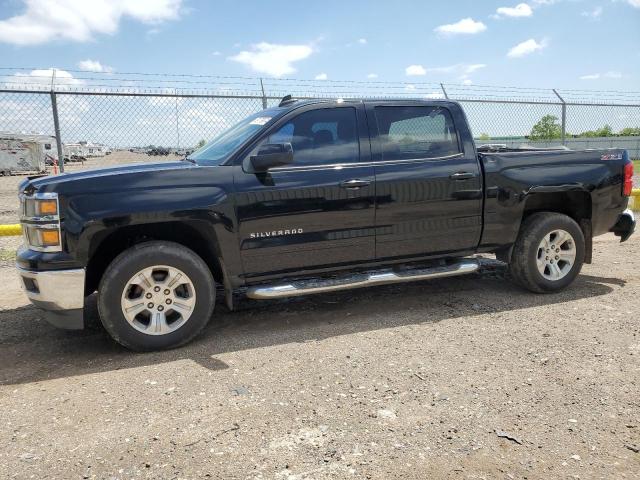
x=78, y=20
x=462, y=71
x=634, y=3
x=473, y=67
x=410, y=88
x=415, y=70
x=595, y=76
x=594, y=14
x=459, y=68
x=41, y=79
x=362, y=41
x=527, y=47
x=520, y=10
x=94, y=66
x=273, y=59
x=434, y=95
x=217, y=53
x=372, y=75
x=322, y=76
x=467, y=26
x=468, y=70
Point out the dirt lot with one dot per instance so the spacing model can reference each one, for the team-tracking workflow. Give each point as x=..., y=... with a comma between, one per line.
x=413, y=381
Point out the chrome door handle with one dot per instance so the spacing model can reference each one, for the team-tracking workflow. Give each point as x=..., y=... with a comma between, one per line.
x=462, y=175
x=355, y=183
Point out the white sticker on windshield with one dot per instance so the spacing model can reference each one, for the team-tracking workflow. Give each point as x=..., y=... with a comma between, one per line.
x=260, y=120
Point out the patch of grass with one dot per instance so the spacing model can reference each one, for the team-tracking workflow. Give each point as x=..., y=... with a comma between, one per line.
x=636, y=166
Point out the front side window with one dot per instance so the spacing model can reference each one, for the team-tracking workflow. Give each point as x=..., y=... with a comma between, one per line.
x=407, y=133
x=321, y=137
x=221, y=147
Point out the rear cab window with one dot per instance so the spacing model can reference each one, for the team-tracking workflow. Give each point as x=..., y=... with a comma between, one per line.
x=416, y=132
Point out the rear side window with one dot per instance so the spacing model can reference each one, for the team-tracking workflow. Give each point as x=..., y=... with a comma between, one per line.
x=407, y=133
x=321, y=137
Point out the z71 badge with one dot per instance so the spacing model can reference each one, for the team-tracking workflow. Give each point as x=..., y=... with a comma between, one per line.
x=276, y=233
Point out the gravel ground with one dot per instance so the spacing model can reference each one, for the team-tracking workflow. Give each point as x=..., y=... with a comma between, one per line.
x=467, y=377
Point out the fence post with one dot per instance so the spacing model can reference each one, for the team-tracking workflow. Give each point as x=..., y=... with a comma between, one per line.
x=264, y=97
x=444, y=91
x=177, y=118
x=56, y=122
x=564, y=117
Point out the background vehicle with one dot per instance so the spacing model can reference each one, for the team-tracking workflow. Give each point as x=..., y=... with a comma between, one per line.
x=25, y=153
x=310, y=197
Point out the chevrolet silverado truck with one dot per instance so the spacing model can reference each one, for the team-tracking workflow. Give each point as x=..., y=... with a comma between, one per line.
x=308, y=197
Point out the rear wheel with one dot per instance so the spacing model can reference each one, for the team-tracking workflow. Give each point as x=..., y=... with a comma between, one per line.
x=156, y=295
x=548, y=253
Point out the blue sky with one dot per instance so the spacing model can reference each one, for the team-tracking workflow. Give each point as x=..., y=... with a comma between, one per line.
x=590, y=44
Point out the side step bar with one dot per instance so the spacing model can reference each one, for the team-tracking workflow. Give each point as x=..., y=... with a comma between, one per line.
x=383, y=277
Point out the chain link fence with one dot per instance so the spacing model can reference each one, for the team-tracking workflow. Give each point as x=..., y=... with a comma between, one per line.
x=140, y=112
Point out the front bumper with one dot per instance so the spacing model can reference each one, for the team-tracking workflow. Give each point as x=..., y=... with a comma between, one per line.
x=625, y=225
x=60, y=293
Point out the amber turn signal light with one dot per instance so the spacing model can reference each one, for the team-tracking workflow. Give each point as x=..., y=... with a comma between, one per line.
x=50, y=237
x=47, y=207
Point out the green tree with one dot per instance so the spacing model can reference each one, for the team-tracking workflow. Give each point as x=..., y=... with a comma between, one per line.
x=484, y=136
x=547, y=128
x=630, y=132
x=201, y=143
x=605, y=131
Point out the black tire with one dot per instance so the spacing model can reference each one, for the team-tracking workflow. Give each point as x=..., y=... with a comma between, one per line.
x=523, y=265
x=146, y=255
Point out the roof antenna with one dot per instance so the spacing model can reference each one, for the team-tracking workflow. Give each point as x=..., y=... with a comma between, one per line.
x=286, y=100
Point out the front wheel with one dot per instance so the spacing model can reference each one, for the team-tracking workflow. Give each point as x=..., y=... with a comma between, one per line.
x=548, y=253
x=155, y=296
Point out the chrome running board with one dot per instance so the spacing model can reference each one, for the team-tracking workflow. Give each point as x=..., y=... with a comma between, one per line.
x=382, y=277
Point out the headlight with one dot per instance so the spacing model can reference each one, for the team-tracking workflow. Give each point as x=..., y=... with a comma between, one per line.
x=41, y=206
x=40, y=219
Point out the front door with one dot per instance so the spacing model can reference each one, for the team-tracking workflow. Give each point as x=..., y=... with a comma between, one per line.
x=317, y=213
x=428, y=184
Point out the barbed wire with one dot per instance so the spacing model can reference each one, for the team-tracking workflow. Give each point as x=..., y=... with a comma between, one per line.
x=37, y=78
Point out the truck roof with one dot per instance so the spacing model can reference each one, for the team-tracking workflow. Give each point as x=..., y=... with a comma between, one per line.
x=292, y=102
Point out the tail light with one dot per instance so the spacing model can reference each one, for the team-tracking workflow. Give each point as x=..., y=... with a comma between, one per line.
x=627, y=184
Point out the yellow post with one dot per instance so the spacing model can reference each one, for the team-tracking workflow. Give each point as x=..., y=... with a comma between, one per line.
x=634, y=200
x=10, y=230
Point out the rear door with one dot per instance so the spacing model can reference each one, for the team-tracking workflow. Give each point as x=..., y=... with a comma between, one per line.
x=317, y=213
x=428, y=181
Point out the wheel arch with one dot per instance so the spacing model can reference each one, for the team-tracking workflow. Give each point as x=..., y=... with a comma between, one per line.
x=196, y=235
x=575, y=203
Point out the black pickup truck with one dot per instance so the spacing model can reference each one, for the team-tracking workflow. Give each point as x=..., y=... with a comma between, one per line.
x=307, y=197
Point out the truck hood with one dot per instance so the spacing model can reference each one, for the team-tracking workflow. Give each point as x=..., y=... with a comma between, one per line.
x=53, y=183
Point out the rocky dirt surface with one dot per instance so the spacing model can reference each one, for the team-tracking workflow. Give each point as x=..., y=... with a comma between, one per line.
x=464, y=378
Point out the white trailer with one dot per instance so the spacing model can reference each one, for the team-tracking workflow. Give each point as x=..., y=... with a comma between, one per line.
x=74, y=152
x=23, y=153
x=95, y=150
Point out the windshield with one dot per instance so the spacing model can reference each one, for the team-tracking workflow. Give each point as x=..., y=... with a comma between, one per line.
x=227, y=142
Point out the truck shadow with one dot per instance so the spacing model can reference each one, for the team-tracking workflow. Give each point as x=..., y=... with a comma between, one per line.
x=33, y=351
